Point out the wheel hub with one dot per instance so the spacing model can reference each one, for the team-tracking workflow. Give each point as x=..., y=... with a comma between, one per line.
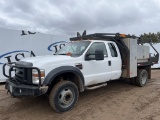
x=66, y=97
x=144, y=78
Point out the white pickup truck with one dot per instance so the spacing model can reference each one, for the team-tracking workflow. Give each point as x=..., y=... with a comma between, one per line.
x=87, y=62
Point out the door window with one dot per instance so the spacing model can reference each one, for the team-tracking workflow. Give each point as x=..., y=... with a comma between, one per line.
x=94, y=47
x=113, y=50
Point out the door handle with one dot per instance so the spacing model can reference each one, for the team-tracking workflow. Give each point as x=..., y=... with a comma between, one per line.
x=109, y=63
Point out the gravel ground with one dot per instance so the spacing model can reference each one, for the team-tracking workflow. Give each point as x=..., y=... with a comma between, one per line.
x=117, y=101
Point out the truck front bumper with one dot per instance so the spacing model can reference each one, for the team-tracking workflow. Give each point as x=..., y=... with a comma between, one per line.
x=22, y=90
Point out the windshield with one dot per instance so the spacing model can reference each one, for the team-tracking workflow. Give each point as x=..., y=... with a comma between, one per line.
x=74, y=48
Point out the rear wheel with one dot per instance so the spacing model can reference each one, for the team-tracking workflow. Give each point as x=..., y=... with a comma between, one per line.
x=142, y=77
x=63, y=97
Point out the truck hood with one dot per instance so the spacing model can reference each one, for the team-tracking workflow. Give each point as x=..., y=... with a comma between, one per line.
x=41, y=61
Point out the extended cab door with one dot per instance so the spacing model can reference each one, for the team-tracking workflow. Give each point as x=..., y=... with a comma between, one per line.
x=116, y=62
x=96, y=71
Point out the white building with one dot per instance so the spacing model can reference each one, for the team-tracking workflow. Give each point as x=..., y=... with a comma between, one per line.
x=19, y=44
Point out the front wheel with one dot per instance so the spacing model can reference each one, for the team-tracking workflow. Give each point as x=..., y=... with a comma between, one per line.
x=63, y=97
x=142, y=77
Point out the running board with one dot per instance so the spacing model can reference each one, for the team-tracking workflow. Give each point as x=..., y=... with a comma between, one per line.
x=96, y=86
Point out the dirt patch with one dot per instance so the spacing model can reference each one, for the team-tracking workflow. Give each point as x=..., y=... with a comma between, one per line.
x=117, y=101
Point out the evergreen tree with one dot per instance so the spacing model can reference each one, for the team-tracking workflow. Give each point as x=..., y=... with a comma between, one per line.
x=150, y=37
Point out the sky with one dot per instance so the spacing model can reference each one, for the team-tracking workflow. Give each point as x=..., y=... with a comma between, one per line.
x=66, y=17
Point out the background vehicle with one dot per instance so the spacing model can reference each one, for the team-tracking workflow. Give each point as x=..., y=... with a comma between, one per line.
x=88, y=62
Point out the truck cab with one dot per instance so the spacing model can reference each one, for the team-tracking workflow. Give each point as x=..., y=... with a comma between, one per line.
x=107, y=68
x=78, y=66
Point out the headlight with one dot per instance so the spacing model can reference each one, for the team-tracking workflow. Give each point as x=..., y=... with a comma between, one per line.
x=35, y=78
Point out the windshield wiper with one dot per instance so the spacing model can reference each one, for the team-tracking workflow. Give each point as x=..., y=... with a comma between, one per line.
x=68, y=54
x=60, y=54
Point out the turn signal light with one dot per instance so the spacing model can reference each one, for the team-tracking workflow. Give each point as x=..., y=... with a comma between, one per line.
x=69, y=54
x=35, y=73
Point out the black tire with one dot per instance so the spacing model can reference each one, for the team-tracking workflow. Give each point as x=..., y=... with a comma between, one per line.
x=142, y=77
x=64, y=96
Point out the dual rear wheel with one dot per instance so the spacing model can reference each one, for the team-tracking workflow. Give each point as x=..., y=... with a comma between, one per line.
x=141, y=79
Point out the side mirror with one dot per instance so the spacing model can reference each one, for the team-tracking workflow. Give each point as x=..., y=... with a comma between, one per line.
x=99, y=55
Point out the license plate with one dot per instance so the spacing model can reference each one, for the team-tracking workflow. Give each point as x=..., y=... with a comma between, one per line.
x=10, y=88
